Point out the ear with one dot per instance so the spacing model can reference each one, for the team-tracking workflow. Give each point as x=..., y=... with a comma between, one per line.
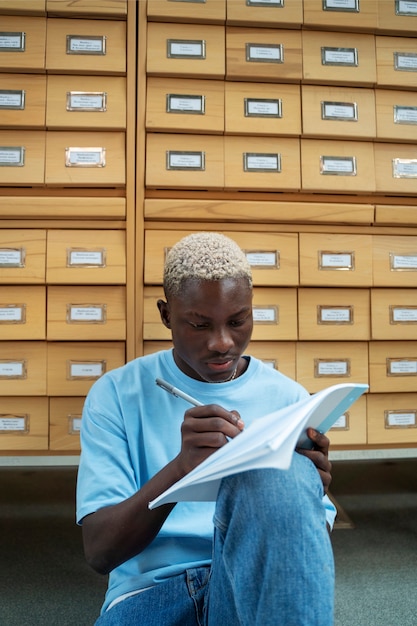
x=164, y=312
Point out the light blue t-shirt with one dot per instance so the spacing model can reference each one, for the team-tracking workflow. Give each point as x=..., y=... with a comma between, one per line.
x=131, y=430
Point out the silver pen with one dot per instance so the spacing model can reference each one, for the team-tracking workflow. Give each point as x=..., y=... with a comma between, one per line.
x=177, y=392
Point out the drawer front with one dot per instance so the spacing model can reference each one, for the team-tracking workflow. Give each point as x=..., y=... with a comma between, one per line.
x=263, y=55
x=23, y=43
x=23, y=368
x=273, y=256
x=24, y=423
x=394, y=261
x=184, y=161
x=22, y=256
x=337, y=166
x=65, y=423
x=85, y=159
x=211, y=11
x=22, y=157
x=274, y=313
x=394, y=313
x=333, y=58
x=88, y=8
x=186, y=50
x=74, y=366
x=262, y=163
x=335, y=112
x=320, y=364
x=277, y=14
x=396, y=115
x=397, y=17
x=87, y=102
x=396, y=62
x=82, y=257
x=86, y=313
x=267, y=109
x=350, y=428
x=24, y=7
x=22, y=312
x=355, y=15
x=185, y=105
x=335, y=260
x=396, y=168
x=393, y=366
x=86, y=46
x=392, y=418
x=328, y=314
x=394, y=214
x=22, y=100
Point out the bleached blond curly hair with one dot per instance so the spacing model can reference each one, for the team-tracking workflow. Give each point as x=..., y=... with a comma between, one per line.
x=204, y=256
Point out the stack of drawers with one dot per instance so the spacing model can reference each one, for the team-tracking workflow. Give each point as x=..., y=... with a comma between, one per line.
x=63, y=92
x=285, y=101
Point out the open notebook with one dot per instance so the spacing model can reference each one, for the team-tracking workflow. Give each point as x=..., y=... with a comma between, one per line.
x=268, y=442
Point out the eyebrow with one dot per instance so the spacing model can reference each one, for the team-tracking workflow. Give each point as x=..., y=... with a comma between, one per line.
x=242, y=311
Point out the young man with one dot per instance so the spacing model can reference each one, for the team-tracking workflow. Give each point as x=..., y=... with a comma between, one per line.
x=261, y=554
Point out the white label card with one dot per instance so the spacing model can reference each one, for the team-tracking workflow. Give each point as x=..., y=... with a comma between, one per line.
x=12, y=369
x=339, y=56
x=12, y=42
x=78, y=44
x=12, y=257
x=402, y=367
x=331, y=368
x=336, y=260
x=86, y=101
x=12, y=314
x=405, y=7
x=342, y=423
x=404, y=168
x=405, y=61
x=403, y=315
x=255, y=107
x=86, y=370
x=185, y=104
x=86, y=313
x=264, y=53
x=267, y=260
x=403, y=262
x=12, y=99
x=335, y=315
x=338, y=166
x=183, y=49
x=405, y=115
x=341, y=5
x=265, y=315
x=11, y=156
x=400, y=419
x=14, y=424
x=339, y=111
x=86, y=258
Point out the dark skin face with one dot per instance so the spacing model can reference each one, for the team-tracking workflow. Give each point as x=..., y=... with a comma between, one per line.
x=211, y=325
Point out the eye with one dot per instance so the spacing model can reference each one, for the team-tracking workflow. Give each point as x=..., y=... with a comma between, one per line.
x=198, y=326
x=236, y=323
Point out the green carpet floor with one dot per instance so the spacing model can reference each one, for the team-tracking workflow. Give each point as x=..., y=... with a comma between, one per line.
x=44, y=580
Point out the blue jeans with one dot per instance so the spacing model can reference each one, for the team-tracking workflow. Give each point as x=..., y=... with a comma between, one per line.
x=272, y=560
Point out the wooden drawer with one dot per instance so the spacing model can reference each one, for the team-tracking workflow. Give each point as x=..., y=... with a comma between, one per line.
x=22, y=256
x=274, y=312
x=88, y=102
x=22, y=100
x=262, y=163
x=86, y=46
x=392, y=366
x=351, y=15
x=396, y=62
x=276, y=14
x=83, y=257
x=65, y=423
x=186, y=50
x=210, y=11
x=23, y=7
x=88, y=8
x=397, y=17
x=22, y=312
x=394, y=314
x=326, y=314
x=263, y=54
x=14, y=207
x=394, y=261
x=396, y=115
x=277, y=354
x=23, y=368
x=350, y=428
x=22, y=157
x=184, y=161
x=396, y=168
x=335, y=260
x=185, y=105
x=82, y=313
x=337, y=166
x=74, y=366
x=392, y=418
x=273, y=256
x=24, y=423
x=85, y=159
x=22, y=43
x=267, y=109
x=320, y=364
x=338, y=112
x=339, y=58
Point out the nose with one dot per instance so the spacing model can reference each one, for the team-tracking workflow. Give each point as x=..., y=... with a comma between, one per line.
x=220, y=341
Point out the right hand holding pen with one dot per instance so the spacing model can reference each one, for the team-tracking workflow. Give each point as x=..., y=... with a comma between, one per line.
x=204, y=430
